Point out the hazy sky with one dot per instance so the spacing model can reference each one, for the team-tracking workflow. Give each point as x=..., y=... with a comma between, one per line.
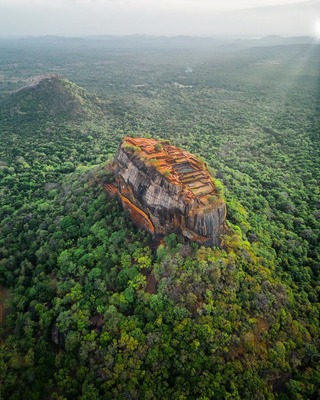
x=159, y=17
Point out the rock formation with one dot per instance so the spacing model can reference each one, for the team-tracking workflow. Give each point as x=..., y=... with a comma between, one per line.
x=166, y=189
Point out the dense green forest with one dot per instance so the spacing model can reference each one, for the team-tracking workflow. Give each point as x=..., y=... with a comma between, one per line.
x=91, y=308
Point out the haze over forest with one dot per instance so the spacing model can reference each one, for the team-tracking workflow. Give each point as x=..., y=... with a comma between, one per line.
x=159, y=17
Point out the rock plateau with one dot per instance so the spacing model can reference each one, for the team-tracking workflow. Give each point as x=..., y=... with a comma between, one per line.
x=166, y=189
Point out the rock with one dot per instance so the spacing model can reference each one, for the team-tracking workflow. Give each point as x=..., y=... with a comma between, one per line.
x=58, y=337
x=166, y=189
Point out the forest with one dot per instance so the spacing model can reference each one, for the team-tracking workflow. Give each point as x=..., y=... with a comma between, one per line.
x=79, y=318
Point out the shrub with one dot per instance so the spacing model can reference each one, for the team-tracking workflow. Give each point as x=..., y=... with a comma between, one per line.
x=158, y=147
x=131, y=148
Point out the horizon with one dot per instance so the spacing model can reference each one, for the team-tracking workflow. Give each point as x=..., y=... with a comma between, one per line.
x=201, y=18
x=151, y=36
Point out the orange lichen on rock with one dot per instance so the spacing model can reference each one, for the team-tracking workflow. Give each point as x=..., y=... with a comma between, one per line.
x=111, y=189
x=138, y=216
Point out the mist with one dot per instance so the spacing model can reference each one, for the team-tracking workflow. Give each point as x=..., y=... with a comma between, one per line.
x=162, y=17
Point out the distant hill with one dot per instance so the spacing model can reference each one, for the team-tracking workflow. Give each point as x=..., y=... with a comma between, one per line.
x=50, y=97
x=227, y=42
x=275, y=40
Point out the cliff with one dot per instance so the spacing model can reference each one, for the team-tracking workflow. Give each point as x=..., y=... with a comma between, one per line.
x=166, y=189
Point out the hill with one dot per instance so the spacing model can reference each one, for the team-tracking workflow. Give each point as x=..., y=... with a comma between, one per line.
x=50, y=97
x=47, y=128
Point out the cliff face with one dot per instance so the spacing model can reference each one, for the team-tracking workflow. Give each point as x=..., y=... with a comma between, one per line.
x=166, y=189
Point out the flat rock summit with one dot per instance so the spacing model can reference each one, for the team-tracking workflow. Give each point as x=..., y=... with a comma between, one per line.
x=166, y=190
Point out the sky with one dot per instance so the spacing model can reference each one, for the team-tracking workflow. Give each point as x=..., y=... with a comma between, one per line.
x=159, y=17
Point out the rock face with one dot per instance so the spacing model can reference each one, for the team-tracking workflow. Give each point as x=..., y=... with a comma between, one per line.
x=166, y=189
